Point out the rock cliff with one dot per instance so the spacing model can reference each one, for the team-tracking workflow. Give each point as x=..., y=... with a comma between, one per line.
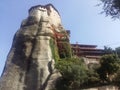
x=36, y=46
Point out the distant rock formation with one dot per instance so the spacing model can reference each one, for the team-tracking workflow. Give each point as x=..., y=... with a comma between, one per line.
x=36, y=46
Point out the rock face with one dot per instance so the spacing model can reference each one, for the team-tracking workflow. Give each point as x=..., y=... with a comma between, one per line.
x=29, y=64
x=109, y=87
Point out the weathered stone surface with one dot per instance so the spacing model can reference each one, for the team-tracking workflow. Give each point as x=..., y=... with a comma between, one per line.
x=109, y=87
x=52, y=80
x=29, y=62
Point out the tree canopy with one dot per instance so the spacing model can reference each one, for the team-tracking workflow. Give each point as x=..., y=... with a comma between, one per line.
x=110, y=64
x=108, y=50
x=117, y=50
x=111, y=8
x=73, y=71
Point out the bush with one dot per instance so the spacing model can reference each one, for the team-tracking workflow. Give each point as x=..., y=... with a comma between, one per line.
x=93, y=77
x=73, y=72
x=110, y=64
x=65, y=50
x=54, y=50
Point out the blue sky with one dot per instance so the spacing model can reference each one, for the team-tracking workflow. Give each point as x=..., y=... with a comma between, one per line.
x=80, y=16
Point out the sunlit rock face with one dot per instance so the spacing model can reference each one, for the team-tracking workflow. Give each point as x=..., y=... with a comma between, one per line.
x=29, y=62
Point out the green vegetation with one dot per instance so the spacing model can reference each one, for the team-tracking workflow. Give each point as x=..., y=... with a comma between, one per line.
x=65, y=50
x=74, y=73
x=110, y=64
x=111, y=8
x=108, y=50
x=93, y=78
x=117, y=51
x=54, y=49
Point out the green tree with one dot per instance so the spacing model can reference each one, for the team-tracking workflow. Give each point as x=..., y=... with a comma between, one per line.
x=110, y=64
x=73, y=72
x=93, y=77
x=117, y=50
x=108, y=50
x=111, y=7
